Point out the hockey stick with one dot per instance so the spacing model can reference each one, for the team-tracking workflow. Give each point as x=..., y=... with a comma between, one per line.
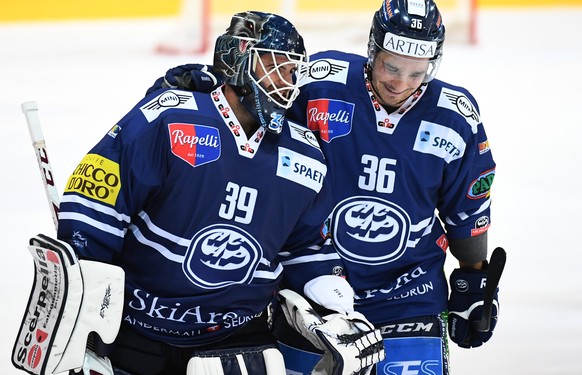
x=92, y=363
x=496, y=265
x=30, y=110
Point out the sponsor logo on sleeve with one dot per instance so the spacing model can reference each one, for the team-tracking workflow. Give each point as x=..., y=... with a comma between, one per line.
x=483, y=147
x=114, y=131
x=481, y=187
x=326, y=70
x=301, y=169
x=443, y=242
x=458, y=102
x=167, y=100
x=481, y=226
x=440, y=141
x=331, y=118
x=303, y=134
x=195, y=144
x=96, y=177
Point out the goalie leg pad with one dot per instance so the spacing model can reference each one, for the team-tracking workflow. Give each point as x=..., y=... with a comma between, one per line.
x=100, y=312
x=68, y=300
x=52, y=308
x=263, y=360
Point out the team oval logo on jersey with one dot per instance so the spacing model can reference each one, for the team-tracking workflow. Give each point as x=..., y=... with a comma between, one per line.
x=221, y=255
x=370, y=230
x=195, y=144
x=331, y=118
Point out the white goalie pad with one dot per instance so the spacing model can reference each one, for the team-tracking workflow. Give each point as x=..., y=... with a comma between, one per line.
x=69, y=299
x=247, y=361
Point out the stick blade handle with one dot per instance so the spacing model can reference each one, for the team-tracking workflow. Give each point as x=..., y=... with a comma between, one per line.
x=496, y=266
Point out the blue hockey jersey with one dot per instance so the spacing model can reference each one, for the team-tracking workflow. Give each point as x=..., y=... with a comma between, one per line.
x=195, y=213
x=404, y=183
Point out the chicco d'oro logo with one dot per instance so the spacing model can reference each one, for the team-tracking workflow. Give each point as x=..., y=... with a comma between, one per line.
x=370, y=230
x=221, y=255
x=96, y=177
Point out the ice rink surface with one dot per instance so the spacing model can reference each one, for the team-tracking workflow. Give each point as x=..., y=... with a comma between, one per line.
x=525, y=73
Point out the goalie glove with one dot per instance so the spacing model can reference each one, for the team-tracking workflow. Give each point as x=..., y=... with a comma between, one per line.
x=350, y=342
x=189, y=77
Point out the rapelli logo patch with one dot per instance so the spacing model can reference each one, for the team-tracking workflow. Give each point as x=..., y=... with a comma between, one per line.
x=331, y=118
x=195, y=144
x=96, y=177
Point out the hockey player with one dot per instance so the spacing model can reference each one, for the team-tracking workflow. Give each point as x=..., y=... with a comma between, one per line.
x=198, y=197
x=412, y=170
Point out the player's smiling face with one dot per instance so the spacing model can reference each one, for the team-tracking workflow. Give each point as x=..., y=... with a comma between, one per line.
x=395, y=78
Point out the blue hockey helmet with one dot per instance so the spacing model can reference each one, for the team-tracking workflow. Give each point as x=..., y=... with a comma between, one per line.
x=408, y=28
x=237, y=56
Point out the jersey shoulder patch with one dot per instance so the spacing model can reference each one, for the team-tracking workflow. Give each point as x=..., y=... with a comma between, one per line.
x=460, y=103
x=302, y=134
x=168, y=100
x=326, y=70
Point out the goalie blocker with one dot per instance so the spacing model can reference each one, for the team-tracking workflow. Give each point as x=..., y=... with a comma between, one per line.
x=69, y=299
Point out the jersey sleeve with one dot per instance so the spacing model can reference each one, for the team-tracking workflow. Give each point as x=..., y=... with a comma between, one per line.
x=111, y=184
x=465, y=203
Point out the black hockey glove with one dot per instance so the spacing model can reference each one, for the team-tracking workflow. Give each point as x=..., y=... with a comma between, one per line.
x=189, y=77
x=466, y=308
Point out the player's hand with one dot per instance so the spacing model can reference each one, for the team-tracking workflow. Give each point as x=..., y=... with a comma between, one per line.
x=466, y=308
x=189, y=77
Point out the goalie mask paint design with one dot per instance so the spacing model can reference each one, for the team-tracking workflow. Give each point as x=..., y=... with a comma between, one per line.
x=237, y=56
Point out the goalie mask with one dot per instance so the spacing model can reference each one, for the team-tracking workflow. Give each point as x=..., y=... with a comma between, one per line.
x=267, y=90
x=409, y=29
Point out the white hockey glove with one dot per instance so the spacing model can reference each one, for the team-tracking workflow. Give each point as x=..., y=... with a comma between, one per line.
x=350, y=342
